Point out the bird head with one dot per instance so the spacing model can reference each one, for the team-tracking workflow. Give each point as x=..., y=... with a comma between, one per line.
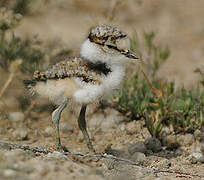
x=107, y=44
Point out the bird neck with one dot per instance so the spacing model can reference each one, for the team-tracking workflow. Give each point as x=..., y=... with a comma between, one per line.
x=99, y=61
x=114, y=78
x=100, y=67
x=95, y=54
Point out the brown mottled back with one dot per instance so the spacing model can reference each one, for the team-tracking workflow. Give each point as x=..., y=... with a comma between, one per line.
x=73, y=68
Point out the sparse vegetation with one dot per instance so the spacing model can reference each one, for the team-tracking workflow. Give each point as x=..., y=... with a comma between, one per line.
x=18, y=6
x=158, y=102
x=201, y=72
x=31, y=53
x=13, y=47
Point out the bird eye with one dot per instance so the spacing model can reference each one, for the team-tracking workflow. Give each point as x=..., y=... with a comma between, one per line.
x=124, y=51
x=112, y=47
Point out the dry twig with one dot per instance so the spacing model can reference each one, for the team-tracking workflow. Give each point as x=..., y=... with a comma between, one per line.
x=13, y=68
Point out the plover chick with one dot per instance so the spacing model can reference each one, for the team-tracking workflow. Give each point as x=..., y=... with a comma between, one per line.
x=86, y=79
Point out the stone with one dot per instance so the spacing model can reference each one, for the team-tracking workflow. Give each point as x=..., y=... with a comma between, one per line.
x=20, y=134
x=96, y=120
x=9, y=103
x=12, y=158
x=115, y=116
x=118, y=170
x=106, y=121
x=49, y=130
x=153, y=144
x=171, y=142
x=167, y=130
x=186, y=139
x=137, y=147
x=195, y=158
x=117, y=152
x=9, y=173
x=16, y=116
x=65, y=127
x=179, y=152
x=133, y=127
x=138, y=157
x=56, y=155
x=202, y=146
x=162, y=163
x=197, y=133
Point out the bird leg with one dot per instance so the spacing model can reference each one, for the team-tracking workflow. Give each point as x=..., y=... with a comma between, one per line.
x=56, y=115
x=82, y=127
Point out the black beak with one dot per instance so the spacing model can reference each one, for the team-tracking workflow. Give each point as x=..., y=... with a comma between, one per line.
x=126, y=53
x=129, y=54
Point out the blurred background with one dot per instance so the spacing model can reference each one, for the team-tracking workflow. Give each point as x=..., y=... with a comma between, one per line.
x=178, y=24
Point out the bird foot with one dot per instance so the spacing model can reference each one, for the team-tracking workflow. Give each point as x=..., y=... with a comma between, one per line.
x=61, y=149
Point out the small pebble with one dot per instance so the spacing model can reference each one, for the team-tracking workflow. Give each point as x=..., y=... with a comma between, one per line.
x=202, y=147
x=153, y=144
x=195, y=158
x=20, y=134
x=16, y=116
x=179, y=152
x=137, y=147
x=110, y=119
x=186, y=139
x=138, y=157
x=9, y=173
x=171, y=142
x=197, y=133
x=162, y=163
x=11, y=103
x=65, y=127
x=56, y=155
x=49, y=130
x=133, y=128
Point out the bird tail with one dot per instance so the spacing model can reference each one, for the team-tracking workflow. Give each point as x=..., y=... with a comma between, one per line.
x=29, y=84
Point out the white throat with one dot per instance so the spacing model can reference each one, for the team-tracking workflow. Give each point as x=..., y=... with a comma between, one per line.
x=94, y=53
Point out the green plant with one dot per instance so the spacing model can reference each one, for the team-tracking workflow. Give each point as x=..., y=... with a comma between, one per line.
x=153, y=123
x=18, y=6
x=13, y=47
x=21, y=6
x=157, y=101
x=201, y=72
x=156, y=54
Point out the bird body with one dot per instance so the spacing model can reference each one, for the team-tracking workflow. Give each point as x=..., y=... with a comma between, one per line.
x=78, y=80
x=88, y=78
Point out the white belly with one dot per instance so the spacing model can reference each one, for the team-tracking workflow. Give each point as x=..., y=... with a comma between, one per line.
x=57, y=90
x=92, y=93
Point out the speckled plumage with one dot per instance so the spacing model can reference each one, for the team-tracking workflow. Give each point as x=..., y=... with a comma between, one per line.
x=111, y=38
x=86, y=79
x=73, y=67
x=89, y=78
x=105, y=35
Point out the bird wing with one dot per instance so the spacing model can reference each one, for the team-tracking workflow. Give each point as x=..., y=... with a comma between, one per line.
x=75, y=67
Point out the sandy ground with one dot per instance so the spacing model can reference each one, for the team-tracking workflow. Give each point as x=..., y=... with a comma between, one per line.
x=136, y=156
